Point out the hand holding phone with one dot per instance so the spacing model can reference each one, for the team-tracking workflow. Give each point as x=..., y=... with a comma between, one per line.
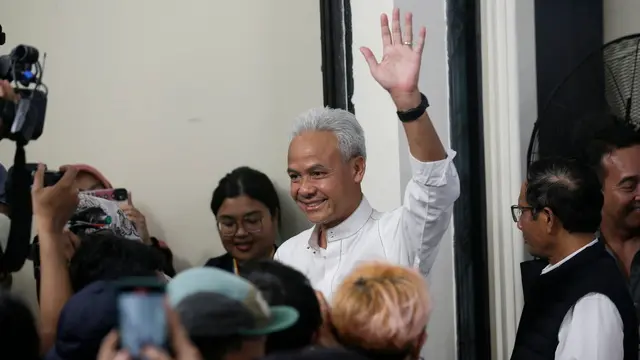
x=142, y=320
x=181, y=345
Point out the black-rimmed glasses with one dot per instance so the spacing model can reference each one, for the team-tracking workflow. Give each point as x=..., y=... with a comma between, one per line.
x=229, y=227
x=517, y=211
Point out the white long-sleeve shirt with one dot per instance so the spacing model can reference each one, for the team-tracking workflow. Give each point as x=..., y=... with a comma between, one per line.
x=592, y=329
x=408, y=235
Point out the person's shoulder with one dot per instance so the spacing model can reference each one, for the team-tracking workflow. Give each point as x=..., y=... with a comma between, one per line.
x=224, y=262
x=291, y=244
x=598, y=306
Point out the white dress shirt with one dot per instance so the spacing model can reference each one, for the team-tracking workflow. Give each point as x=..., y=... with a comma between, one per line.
x=592, y=329
x=408, y=235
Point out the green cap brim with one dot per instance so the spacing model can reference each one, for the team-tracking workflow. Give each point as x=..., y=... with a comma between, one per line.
x=282, y=317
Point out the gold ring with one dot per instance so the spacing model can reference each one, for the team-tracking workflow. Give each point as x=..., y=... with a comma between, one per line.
x=407, y=43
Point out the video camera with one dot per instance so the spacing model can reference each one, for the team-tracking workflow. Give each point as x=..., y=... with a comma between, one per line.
x=21, y=121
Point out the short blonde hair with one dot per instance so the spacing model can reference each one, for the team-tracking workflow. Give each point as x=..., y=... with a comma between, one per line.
x=381, y=306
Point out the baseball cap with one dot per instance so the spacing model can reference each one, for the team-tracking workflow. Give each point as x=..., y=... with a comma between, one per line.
x=215, y=303
x=84, y=321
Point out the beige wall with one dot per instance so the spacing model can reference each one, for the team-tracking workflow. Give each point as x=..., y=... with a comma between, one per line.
x=165, y=97
x=621, y=17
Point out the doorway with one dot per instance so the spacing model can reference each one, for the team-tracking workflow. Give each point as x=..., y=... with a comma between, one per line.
x=470, y=242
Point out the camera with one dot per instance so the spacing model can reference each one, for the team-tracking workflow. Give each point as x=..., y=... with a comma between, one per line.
x=23, y=121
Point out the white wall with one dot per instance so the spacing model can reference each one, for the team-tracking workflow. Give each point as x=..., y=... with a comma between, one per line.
x=387, y=161
x=621, y=17
x=166, y=97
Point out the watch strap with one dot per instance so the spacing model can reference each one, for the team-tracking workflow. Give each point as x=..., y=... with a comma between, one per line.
x=415, y=113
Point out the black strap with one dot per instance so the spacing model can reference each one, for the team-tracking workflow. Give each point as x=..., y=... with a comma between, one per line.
x=19, y=193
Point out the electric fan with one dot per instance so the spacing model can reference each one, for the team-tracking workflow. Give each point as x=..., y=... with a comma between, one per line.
x=603, y=84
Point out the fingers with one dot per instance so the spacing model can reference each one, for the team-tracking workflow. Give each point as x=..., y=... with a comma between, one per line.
x=110, y=341
x=152, y=353
x=7, y=92
x=369, y=57
x=129, y=199
x=133, y=214
x=179, y=338
x=38, y=178
x=69, y=176
x=422, y=36
x=396, y=33
x=122, y=355
x=109, y=348
x=4, y=91
x=324, y=307
x=386, y=33
x=408, y=28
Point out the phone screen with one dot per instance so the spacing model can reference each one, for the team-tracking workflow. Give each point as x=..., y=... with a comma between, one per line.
x=142, y=319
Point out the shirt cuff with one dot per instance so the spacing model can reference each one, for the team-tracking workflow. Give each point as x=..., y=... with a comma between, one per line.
x=433, y=173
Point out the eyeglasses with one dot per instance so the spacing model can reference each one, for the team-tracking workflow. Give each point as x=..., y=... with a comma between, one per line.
x=229, y=227
x=517, y=211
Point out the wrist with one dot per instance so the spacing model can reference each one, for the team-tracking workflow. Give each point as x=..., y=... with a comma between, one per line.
x=49, y=228
x=405, y=101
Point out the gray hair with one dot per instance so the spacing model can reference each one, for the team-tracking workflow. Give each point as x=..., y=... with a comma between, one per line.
x=340, y=122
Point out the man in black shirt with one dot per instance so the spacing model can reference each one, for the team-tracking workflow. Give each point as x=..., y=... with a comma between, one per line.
x=578, y=306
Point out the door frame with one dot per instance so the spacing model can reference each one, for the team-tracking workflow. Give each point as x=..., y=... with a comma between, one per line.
x=470, y=247
x=469, y=212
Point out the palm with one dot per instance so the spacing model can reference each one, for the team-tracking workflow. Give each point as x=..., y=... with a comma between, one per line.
x=399, y=69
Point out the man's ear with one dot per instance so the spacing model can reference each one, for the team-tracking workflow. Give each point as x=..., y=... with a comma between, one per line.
x=358, y=166
x=550, y=219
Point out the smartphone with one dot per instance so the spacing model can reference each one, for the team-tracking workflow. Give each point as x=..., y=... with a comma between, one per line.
x=142, y=318
x=118, y=195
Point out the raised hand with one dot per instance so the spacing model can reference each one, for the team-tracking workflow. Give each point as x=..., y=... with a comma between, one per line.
x=399, y=69
x=137, y=218
x=54, y=205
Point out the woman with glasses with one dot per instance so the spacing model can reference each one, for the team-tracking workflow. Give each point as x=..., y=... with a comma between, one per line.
x=247, y=212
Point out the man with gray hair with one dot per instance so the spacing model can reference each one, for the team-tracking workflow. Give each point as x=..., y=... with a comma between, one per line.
x=326, y=164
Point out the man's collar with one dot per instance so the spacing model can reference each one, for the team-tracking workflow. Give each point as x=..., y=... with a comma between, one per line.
x=347, y=228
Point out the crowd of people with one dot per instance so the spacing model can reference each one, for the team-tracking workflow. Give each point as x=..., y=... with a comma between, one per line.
x=353, y=286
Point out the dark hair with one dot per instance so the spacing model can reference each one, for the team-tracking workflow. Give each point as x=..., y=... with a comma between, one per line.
x=250, y=182
x=570, y=189
x=613, y=135
x=104, y=255
x=283, y=285
x=19, y=337
x=216, y=348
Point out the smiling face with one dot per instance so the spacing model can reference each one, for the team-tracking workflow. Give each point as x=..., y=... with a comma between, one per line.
x=621, y=188
x=325, y=187
x=246, y=227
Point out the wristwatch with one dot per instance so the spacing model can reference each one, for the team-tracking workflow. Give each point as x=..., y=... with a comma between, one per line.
x=413, y=114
